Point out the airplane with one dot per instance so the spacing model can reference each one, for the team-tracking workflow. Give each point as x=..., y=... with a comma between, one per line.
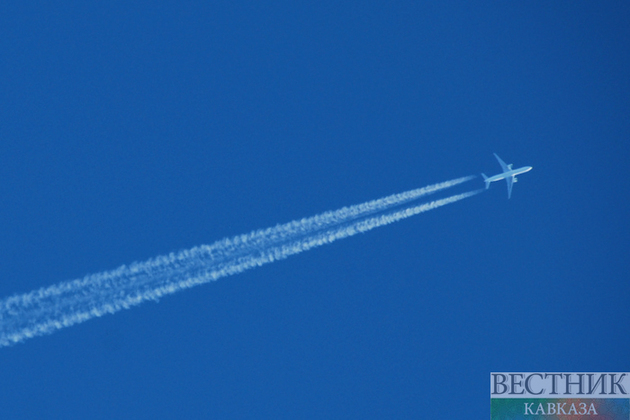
x=508, y=174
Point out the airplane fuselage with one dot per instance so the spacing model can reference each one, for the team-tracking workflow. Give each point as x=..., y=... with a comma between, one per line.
x=507, y=174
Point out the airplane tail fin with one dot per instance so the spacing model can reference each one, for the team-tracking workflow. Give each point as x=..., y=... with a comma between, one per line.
x=485, y=178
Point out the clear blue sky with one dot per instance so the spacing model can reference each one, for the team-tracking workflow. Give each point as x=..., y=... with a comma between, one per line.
x=132, y=129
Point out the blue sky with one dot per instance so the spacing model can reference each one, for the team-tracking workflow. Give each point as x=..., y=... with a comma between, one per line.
x=130, y=130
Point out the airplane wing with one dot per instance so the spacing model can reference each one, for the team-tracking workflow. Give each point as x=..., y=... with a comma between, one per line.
x=510, y=181
x=504, y=167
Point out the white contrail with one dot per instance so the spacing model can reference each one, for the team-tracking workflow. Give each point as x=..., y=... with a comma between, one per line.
x=279, y=233
x=48, y=309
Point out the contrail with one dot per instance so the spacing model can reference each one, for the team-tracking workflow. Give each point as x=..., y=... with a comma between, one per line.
x=64, y=304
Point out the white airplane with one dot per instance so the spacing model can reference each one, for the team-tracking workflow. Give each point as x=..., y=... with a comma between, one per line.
x=508, y=174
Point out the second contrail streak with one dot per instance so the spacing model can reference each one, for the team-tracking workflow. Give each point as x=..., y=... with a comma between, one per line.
x=58, y=306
